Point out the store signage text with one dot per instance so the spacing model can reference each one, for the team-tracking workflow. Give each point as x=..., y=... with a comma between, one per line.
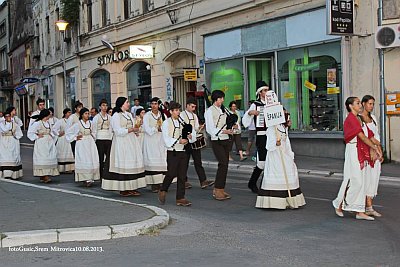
x=141, y=51
x=113, y=57
x=340, y=17
x=308, y=67
x=190, y=75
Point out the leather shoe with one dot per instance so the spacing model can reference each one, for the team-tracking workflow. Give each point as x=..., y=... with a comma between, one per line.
x=363, y=216
x=218, y=194
x=162, y=195
x=206, y=184
x=183, y=202
x=188, y=185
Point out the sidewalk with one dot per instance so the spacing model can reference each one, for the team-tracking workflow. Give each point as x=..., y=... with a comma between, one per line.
x=305, y=164
x=33, y=214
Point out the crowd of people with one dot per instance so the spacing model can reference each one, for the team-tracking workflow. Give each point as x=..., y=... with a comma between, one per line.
x=129, y=148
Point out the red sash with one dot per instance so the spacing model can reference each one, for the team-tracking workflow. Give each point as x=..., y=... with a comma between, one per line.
x=352, y=128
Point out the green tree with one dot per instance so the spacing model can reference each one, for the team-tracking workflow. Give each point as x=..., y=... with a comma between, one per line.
x=70, y=11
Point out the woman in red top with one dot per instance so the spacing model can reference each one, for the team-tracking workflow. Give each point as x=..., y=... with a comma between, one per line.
x=351, y=196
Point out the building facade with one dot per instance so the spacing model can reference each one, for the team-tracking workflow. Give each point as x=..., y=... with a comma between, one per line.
x=6, y=89
x=232, y=45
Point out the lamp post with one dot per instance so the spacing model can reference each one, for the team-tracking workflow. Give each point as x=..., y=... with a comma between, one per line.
x=62, y=26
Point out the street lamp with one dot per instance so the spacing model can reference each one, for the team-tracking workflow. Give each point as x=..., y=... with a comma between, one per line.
x=62, y=26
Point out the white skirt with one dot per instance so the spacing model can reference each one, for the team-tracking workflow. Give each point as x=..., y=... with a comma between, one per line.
x=45, y=157
x=87, y=165
x=10, y=158
x=372, y=179
x=155, y=158
x=351, y=196
x=65, y=157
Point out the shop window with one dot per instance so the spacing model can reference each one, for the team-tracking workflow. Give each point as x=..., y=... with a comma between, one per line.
x=228, y=77
x=101, y=87
x=139, y=83
x=310, y=87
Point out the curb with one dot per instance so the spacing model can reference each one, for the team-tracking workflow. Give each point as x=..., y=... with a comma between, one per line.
x=248, y=169
x=158, y=221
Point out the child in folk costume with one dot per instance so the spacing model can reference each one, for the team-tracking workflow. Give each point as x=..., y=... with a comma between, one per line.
x=65, y=158
x=86, y=155
x=44, y=151
x=154, y=151
x=175, y=140
x=138, y=122
x=126, y=158
x=74, y=118
x=373, y=173
x=52, y=120
x=351, y=195
x=10, y=156
x=280, y=187
x=103, y=133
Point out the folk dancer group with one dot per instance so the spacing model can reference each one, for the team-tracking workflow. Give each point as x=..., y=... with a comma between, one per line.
x=130, y=152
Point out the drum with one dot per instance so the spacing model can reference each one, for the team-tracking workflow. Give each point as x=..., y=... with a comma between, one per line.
x=200, y=142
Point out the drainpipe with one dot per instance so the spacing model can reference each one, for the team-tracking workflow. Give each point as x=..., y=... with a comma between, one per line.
x=382, y=84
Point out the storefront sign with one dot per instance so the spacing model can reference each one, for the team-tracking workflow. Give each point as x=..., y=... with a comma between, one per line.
x=190, y=75
x=21, y=90
x=333, y=91
x=340, y=17
x=308, y=67
x=274, y=115
x=29, y=80
x=288, y=95
x=393, y=104
x=310, y=86
x=141, y=51
x=114, y=57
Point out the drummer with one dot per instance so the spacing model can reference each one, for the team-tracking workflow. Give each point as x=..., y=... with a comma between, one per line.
x=189, y=116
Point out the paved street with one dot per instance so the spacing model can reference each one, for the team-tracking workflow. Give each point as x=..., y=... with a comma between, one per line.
x=233, y=233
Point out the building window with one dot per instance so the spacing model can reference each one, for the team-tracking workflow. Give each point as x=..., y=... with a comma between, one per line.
x=148, y=5
x=3, y=28
x=3, y=59
x=139, y=83
x=101, y=87
x=89, y=15
x=310, y=87
x=104, y=12
x=127, y=9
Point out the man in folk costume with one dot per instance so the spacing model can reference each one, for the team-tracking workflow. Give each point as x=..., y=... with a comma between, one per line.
x=216, y=118
x=189, y=116
x=154, y=151
x=175, y=139
x=74, y=118
x=103, y=132
x=256, y=113
x=40, y=103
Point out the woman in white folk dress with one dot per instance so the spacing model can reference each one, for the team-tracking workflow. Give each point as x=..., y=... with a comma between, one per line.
x=44, y=151
x=87, y=166
x=10, y=156
x=351, y=195
x=280, y=187
x=126, y=159
x=14, y=117
x=138, y=122
x=373, y=173
x=65, y=158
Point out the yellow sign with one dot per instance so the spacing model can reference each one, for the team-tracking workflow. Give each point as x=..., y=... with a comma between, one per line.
x=190, y=75
x=288, y=95
x=333, y=90
x=310, y=86
x=237, y=97
x=393, y=104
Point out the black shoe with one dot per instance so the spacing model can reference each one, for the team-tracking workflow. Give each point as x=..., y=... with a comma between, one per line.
x=253, y=188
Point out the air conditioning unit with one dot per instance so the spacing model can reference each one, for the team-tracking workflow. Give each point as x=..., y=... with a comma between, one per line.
x=387, y=36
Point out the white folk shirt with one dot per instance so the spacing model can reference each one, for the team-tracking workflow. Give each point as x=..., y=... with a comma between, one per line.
x=172, y=134
x=216, y=123
x=102, y=127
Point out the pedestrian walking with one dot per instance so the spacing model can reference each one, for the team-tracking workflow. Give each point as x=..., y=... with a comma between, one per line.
x=102, y=131
x=154, y=150
x=87, y=167
x=65, y=157
x=256, y=114
x=351, y=195
x=373, y=173
x=221, y=141
x=175, y=140
x=237, y=133
x=44, y=151
x=126, y=159
x=280, y=187
x=189, y=117
x=10, y=156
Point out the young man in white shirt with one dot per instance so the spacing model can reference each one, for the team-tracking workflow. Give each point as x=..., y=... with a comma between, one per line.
x=135, y=107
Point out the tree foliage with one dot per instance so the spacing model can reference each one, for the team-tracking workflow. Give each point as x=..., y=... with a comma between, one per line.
x=70, y=11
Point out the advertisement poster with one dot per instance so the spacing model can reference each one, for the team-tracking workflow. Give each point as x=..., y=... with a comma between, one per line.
x=393, y=104
x=331, y=78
